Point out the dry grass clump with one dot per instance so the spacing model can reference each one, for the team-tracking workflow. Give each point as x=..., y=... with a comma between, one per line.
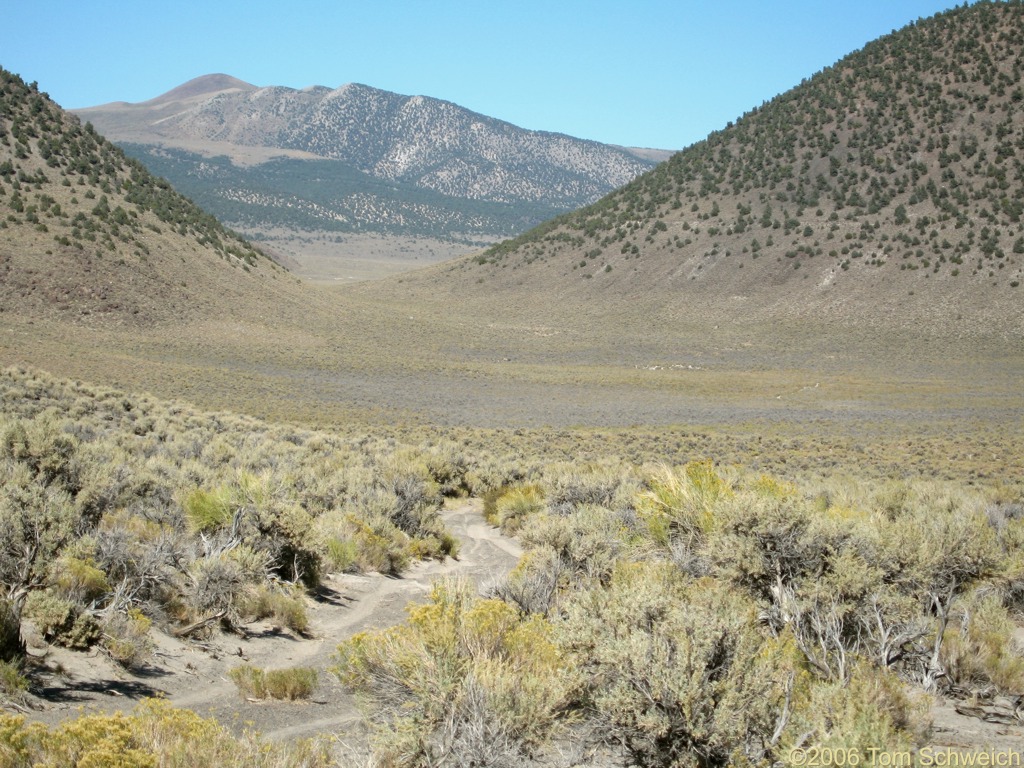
x=291, y=684
x=13, y=684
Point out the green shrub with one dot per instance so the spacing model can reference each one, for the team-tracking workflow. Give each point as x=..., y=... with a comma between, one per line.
x=287, y=610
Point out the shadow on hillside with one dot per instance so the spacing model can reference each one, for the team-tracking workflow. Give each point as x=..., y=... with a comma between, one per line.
x=71, y=691
x=274, y=632
x=324, y=594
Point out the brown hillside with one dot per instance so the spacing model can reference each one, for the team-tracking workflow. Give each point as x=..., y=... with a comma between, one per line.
x=886, y=191
x=87, y=235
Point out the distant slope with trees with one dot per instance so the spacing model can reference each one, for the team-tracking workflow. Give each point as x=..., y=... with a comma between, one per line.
x=888, y=189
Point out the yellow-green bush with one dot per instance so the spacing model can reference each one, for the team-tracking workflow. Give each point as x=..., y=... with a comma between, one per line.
x=680, y=504
x=516, y=505
x=208, y=511
x=460, y=666
x=80, y=579
x=155, y=734
x=286, y=609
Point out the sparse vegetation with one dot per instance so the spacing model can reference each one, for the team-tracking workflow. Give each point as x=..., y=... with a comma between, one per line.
x=900, y=164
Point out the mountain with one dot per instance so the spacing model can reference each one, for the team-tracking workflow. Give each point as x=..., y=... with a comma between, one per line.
x=88, y=235
x=357, y=158
x=885, y=190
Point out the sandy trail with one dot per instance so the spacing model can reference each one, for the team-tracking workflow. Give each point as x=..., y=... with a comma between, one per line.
x=195, y=675
x=347, y=604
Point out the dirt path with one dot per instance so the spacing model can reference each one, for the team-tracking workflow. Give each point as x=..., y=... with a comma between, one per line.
x=197, y=678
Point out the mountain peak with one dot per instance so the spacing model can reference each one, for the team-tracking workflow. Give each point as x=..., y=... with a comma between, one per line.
x=205, y=85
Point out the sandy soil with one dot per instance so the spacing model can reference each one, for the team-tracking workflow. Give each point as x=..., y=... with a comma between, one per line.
x=332, y=258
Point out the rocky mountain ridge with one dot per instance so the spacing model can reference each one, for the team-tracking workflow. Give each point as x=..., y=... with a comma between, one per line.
x=435, y=156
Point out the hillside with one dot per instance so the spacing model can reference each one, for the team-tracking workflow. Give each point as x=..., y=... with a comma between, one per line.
x=358, y=159
x=89, y=235
x=678, y=338
x=886, y=190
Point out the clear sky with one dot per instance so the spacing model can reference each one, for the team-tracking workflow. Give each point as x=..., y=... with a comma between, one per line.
x=650, y=73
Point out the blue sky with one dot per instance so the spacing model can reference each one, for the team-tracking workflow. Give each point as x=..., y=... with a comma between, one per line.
x=654, y=73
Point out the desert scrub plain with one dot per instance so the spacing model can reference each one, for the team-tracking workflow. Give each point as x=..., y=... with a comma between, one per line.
x=664, y=613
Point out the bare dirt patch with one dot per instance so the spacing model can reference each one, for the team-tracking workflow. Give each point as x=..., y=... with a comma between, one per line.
x=340, y=258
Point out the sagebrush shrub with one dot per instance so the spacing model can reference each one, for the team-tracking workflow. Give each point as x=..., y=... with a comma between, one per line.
x=459, y=666
x=154, y=734
x=680, y=674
